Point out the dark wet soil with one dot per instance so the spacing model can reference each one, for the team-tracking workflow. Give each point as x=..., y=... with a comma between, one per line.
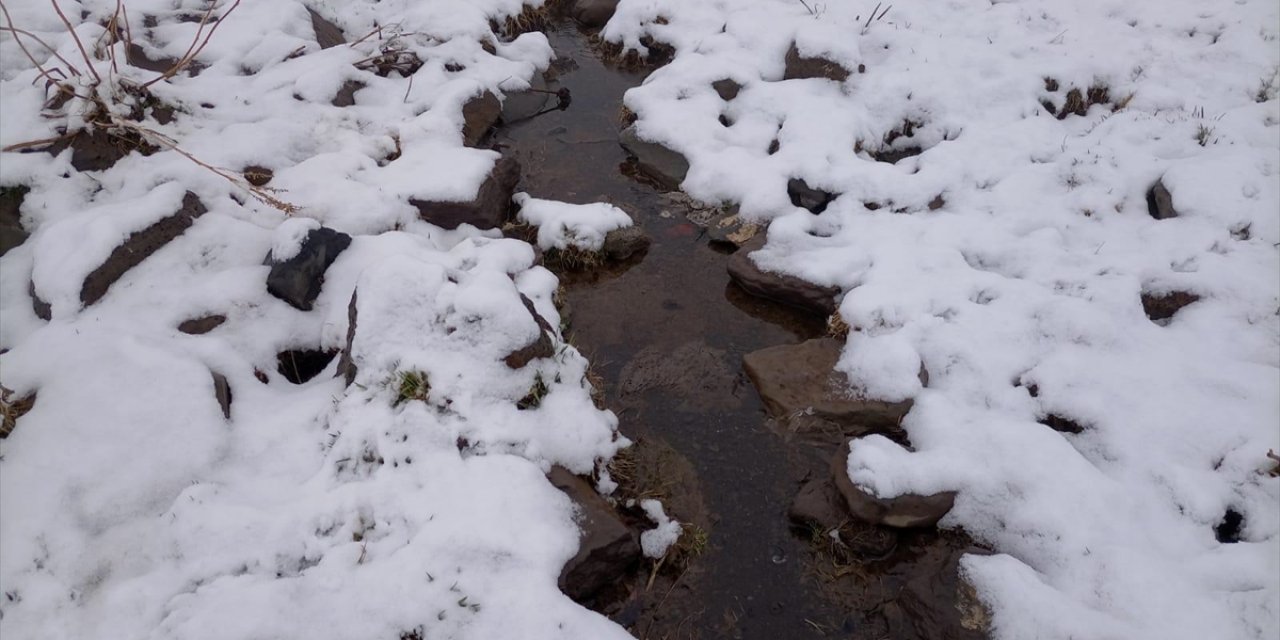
x=666, y=333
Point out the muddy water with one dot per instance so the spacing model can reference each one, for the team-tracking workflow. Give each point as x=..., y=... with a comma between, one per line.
x=668, y=334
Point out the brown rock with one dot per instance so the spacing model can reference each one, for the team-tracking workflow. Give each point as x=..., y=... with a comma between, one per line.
x=479, y=115
x=346, y=95
x=328, y=34
x=541, y=347
x=222, y=392
x=1160, y=308
x=817, y=503
x=903, y=512
x=800, y=67
x=940, y=604
x=490, y=208
x=138, y=247
x=607, y=550
x=1160, y=202
x=93, y=150
x=621, y=244
x=257, y=176
x=201, y=325
x=593, y=14
x=800, y=379
x=668, y=168
x=726, y=88
x=12, y=408
x=779, y=287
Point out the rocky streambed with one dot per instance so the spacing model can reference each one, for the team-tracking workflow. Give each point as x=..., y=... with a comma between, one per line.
x=722, y=373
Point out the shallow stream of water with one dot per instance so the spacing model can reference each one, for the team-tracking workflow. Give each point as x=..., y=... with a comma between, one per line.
x=667, y=334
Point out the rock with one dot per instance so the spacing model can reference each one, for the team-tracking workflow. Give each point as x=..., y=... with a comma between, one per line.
x=346, y=364
x=727, y=89
x=201, y=325
x=730, y=230
x=903, y=512
x=479, y=115
x=593, y=14
x=13, y=408
x=779, y=287
x=12, y=233
x=328, y=34
x=136, y=56
x=97, y=151
x=940, y=604
x=819, y=504
x=622, y=244
x=298, y=280
x=541, y=347
x=1160, y=308
x=42, y=309
x=800, y=67
x=663, y=165
x=490, y=208
x=1160, y=202
x=800, y=379
x=257, y=176
x=346, y=95
x=526, y=104
x=222, y=392
x=804, y=196
x=607, y=550
x=138, y=247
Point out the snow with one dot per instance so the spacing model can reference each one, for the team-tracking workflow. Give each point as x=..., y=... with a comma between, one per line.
x=1029, y=275
x=656, y=541
x=563, y=225
x=287, y=240
x=131, y=507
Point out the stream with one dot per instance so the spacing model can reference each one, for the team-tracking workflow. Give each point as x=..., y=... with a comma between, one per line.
x=666, y=333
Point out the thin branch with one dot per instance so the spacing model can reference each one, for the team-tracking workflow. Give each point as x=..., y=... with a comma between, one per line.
x=35, y=143
x=194, y=50
x=15, y=31
x=84, y=54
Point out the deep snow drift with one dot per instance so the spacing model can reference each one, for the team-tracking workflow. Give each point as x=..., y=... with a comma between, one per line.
x=992, y=226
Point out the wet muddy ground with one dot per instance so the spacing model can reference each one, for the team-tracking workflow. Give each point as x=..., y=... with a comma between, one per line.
x=666, y=333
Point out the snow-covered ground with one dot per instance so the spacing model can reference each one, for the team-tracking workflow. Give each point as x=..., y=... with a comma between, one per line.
x=410, y=504
x=1019, y=289
x=1009, y=259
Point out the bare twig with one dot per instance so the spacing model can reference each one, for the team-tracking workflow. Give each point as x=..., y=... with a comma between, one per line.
x=34, y=143
x=197, y=45
x=71, y=30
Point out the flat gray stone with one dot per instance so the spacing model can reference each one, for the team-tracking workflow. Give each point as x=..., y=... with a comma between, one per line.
x=663, y=165
x=800, y=379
